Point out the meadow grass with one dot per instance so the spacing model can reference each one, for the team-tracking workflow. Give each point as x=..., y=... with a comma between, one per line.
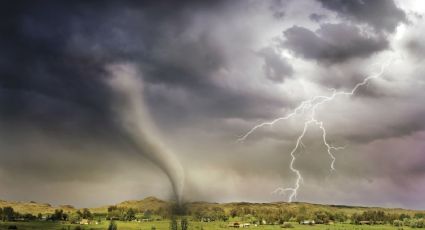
x=164, y=225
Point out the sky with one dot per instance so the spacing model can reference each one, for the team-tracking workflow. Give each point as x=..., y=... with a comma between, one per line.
x=107, y=101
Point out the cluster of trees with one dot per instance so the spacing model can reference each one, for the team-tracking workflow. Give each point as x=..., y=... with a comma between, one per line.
x=252, y=214
x=119, y=213
x=175, y=226
x=275, y=215
x=417, y=221
x=373, y=217
x=410, y=222
x=209, y=214
x=60, y=215
x=265, y=215
x=9, y=214
x=398, y=220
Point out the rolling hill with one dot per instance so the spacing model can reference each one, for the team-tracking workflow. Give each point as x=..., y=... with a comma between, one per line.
x=153, y=203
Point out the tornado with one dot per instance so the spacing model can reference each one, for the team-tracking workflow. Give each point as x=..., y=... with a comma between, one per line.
x=134, y=119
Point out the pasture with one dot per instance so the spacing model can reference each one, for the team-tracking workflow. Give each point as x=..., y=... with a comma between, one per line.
x=164, y=225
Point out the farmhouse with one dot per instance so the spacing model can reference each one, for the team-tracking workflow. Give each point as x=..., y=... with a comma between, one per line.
x=309, y=222
x=238, y=225
x=84, y=221
x=365, y=222
x=233, y=225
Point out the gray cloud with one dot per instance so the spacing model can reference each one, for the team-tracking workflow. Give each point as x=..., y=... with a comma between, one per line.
x=382, y=15
x=209, y=72
x=275, y=66
x=332, y=43
x=317, y=17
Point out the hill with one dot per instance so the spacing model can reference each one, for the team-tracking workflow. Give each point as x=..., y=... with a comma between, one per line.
x=154, y=204
x=34, y=207
x=149, y=203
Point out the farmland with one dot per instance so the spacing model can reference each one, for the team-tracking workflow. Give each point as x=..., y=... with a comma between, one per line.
x=152, y=213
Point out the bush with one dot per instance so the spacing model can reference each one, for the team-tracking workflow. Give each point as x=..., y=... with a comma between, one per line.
x=113, y=226
x=173, y=224
x=413, y=224
x=420, y=223
x=184, y=223
x=398, y=223
x=12, y=227
x=287, y=225
x=78, y=228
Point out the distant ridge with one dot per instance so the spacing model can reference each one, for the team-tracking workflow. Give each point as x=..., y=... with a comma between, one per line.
x=153, y=203
x=34, y=207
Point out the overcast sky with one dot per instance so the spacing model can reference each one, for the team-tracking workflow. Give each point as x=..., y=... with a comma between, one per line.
x=207, y=74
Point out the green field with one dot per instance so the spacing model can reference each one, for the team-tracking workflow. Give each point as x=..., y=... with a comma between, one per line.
x=164, y=225
x=33, y=215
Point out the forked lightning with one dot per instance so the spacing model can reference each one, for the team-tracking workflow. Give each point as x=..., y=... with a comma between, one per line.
x=309, y=107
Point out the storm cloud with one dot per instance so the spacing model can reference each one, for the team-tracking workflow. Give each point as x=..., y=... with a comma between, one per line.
x=382, y=15
x=210, y=72
x=332, y=43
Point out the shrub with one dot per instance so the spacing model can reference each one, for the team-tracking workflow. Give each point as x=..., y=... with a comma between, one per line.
x=12, y=227
x=398, y=223
x=287, y=225
x=78, y=228
x=420, y=223
x=112, y=226
x=173, y=224
x=413, y=224
x=184, y=223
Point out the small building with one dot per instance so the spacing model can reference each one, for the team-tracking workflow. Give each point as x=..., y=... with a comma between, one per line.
x=238, y=225
x=234, y=225
x=84, y=221
x=308, y=222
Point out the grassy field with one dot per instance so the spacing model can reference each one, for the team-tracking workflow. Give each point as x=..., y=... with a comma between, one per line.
x=164, y=225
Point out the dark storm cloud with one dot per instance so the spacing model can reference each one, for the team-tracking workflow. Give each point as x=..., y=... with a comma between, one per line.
x=59, y=51
x=383, y=15
x=317, y=17
x=332, y=43
x=207, y=79
x=275, y=66
x=53, y=79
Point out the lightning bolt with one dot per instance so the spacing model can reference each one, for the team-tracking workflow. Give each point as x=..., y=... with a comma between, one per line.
x=309, y=107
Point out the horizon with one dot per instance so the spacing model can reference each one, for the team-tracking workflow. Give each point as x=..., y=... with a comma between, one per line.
x=212, y=202
x=281, y=100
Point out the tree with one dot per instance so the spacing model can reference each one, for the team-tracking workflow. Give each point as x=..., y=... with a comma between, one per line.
x=218, y=213
x=356, y=218
x=234, y=212
x=112, y=226
x=321, y=217
x=86, y=214
x=112, y=208
x=419, y=215
x=147, y=214
x=74, y=217
x=130, y=215
x=184, y=223
x=340, y=217
x=8, y=213
x=398, y=223
x=29, y=216
x=59, y=215
x=173, y=224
